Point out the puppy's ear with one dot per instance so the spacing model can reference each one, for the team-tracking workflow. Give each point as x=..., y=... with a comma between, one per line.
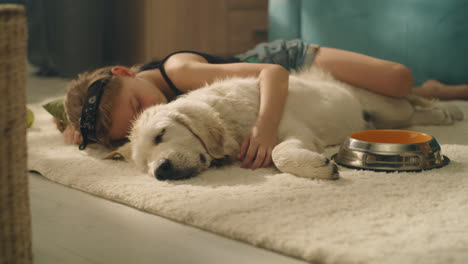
x=204, y=123
x=123, y=153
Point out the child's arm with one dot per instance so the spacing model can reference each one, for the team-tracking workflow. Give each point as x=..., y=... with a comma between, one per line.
x=263, y=137
x=259, y=143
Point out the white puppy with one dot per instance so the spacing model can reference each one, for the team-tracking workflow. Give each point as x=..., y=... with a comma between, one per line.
x=180, y=139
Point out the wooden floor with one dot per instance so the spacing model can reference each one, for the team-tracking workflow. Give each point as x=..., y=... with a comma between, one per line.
x=73, y=227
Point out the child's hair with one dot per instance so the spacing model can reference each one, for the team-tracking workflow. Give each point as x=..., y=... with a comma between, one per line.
x=77, y=91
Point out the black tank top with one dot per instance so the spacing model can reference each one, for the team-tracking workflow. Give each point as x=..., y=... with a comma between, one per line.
x=160, y=65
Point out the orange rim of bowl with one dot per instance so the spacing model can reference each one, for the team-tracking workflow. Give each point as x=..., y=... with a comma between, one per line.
x=391, y=136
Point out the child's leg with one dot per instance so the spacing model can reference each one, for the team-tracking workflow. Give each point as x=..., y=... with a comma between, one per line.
x=436, y=89
x=380, y=76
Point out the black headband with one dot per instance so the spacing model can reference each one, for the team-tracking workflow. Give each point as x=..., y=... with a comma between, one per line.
x=90, y=111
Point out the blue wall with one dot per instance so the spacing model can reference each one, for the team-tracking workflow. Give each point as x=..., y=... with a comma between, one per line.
x=429, y=36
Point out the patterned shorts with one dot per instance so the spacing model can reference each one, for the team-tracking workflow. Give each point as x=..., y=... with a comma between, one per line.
x=291, y=54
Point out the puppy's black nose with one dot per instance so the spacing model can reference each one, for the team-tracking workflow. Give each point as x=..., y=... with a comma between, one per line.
x=164, y=171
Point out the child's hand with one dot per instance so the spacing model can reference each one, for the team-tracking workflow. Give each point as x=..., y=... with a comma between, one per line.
x=257, y=147
x=72, y=136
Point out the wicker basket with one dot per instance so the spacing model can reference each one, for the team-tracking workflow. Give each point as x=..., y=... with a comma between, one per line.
x=15, y=216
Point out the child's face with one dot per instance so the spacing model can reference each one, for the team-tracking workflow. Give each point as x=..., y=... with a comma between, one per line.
x=135, y=96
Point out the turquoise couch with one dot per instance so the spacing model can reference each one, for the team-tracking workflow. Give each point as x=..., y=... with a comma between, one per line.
x=428, y=36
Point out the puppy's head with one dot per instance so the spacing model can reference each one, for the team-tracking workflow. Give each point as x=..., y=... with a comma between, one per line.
x=175, y=141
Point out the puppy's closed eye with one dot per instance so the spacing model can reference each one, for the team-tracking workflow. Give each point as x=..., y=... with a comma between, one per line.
x=158, y=139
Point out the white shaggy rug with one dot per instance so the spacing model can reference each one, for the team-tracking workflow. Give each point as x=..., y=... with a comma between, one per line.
x=365, y=217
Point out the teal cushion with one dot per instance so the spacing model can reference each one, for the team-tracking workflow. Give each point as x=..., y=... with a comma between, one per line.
x=428, y=36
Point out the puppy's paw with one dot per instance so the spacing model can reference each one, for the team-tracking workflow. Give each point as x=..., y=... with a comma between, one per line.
x=451, y=113
x=336, y=174
x=438, y=114
x=455, y=113
x=327, y=172
x=318, y=168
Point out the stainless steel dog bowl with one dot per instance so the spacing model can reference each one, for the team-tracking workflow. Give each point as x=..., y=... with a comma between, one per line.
x=390, y=150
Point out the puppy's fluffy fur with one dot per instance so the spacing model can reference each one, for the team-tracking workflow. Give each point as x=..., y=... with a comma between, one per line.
x=180, y=139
